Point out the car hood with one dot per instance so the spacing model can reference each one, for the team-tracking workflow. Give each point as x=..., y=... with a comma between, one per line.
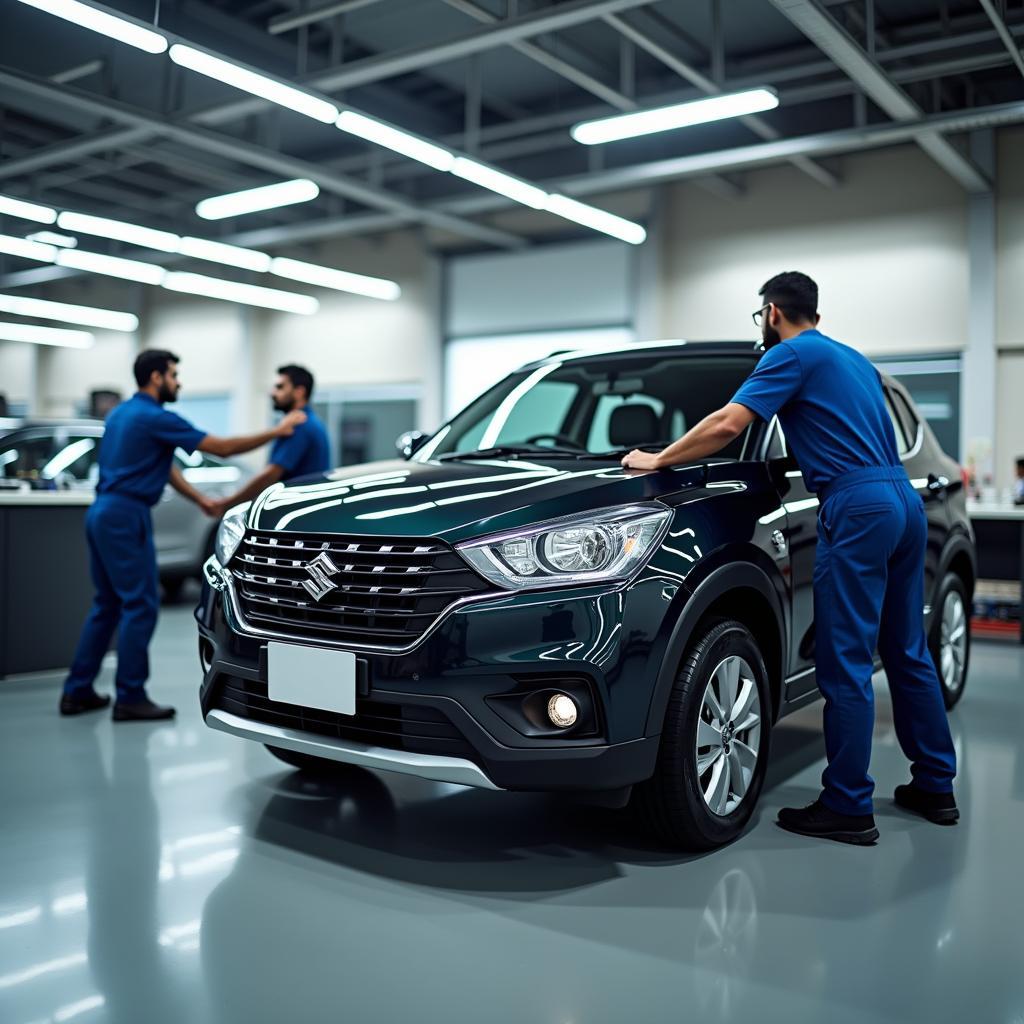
x=460, y=499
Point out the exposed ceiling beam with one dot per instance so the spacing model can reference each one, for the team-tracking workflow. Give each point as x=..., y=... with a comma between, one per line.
x=571, y=73
x=286, y=22
x=840, y=46
x=416, y=58
x=73, y=149
x=254, y=156
x=845, y=140
x=996, y=17
x=756, y=124
x=540, y=55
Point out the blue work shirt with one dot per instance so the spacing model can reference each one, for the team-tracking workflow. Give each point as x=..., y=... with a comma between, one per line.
x=305, y=451
x=138, y=445
x=830, y=402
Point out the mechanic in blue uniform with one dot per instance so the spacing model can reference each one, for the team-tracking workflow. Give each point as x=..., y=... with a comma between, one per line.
x=869, y=572
x=136, y=462
x=304, y=452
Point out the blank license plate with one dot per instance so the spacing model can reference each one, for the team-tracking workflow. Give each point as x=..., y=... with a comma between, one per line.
x=312, y=677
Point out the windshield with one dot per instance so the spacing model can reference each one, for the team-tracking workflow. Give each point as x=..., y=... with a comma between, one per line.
x=596, y=406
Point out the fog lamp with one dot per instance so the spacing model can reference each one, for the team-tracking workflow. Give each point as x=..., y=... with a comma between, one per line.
x=562, y=710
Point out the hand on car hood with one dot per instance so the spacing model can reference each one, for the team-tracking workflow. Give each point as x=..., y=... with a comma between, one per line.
x=457, y=500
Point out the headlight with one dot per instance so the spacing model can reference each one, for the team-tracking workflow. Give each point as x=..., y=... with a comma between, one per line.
x=588, y=548
x=230, y=532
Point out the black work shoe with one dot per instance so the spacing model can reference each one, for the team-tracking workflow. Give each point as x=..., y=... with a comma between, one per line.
x=939, y=808
x=819, y=822
x=141, y=711
x=80, y=702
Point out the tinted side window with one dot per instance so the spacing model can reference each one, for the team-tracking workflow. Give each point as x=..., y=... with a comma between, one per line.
x=897, y=424
x=909, y=418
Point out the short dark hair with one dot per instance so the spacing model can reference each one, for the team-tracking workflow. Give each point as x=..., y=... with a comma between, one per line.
x=1020, y=461
x=299, y=376
x=794, y=293
x=153, y=359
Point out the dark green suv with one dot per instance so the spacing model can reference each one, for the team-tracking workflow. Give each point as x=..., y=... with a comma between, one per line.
x=507, y=607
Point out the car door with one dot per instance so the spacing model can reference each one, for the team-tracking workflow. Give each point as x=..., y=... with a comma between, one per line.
x=799, y=534
x=918, y=454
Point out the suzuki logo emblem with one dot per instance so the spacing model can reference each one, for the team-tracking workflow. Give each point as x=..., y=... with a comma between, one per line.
x=321, y=569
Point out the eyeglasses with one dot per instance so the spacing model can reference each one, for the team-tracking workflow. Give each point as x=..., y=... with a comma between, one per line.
x=758, y=316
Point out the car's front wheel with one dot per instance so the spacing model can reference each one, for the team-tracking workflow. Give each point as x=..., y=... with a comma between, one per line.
x=714, y=742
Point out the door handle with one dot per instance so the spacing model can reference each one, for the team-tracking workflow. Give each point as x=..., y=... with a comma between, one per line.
x=937, y=484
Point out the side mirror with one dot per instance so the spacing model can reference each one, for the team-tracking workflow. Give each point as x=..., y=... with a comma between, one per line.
x=410, y=442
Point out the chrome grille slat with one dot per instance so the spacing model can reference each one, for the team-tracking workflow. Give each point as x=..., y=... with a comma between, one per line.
x=418, y=581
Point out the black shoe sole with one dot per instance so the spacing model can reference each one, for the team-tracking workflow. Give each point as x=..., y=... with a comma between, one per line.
x=120, y=716
x=866, y=838
x=80, y=710
x=937, y=816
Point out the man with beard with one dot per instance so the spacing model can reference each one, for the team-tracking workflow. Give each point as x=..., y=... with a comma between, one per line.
x=869, y=571
x=303, y=452
x=136, y=461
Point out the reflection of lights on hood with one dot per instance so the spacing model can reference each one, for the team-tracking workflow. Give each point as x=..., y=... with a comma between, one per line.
x=61, y=963
x=778, y=513
x=77, y=1009
x=26, y=916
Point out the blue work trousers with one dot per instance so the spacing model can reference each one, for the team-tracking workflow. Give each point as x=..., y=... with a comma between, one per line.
x=122, y=561
x=868, y=592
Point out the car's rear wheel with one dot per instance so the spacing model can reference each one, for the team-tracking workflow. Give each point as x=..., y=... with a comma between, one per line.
x=949, y=638
x=714, y=742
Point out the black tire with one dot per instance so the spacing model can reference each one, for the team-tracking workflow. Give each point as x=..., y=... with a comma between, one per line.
x=951, y=584
x=671, y=803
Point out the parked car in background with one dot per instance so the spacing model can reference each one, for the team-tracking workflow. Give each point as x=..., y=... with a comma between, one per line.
x=509, y=608
x=62, y=455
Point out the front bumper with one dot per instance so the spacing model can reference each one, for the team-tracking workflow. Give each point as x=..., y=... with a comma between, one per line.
x=449, y=709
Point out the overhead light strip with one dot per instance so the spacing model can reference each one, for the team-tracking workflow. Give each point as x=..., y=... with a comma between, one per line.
x=53, y=238
x=45, y=335
x=89, y=316
x=196, y=248
x=422, y=150
x=253, y=200
x=263, y=86
x=671, y=118
x=98, y=20
x=148, y=273
x=12, y=207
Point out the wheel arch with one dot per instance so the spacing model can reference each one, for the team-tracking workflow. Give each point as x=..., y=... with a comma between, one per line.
x=741, y=591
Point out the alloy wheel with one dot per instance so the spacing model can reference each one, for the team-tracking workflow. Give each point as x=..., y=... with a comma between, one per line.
x=728, y=735
x=953, y=641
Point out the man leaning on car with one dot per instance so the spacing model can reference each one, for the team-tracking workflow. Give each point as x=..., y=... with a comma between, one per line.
x=136, y=463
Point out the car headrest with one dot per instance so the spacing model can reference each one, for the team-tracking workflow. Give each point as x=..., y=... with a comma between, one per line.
x=633, y=425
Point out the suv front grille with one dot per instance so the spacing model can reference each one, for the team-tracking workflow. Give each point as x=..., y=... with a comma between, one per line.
x=385, y=593
x=408, y=727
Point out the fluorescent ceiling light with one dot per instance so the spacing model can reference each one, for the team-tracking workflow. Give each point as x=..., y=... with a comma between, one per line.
x=252, y=82
x=498, y=181
x=27, y=211
x=232, y=291
x=28, y=250
x=111, y=266
x=52, y=238
x=679, y=115
x=220, y=252
x=599, y=220
x=110, y=319
x=106, y=24
x=134, y=234
x=45, y=335
x=251, y=200
x=393, y=138
x=341, y=280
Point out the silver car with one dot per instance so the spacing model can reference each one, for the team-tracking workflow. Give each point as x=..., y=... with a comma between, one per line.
x=62, y=455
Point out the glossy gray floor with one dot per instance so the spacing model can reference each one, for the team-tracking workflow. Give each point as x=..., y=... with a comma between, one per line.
x=170, y=873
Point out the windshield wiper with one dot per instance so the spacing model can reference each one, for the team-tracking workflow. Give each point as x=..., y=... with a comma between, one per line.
x=508, y=449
